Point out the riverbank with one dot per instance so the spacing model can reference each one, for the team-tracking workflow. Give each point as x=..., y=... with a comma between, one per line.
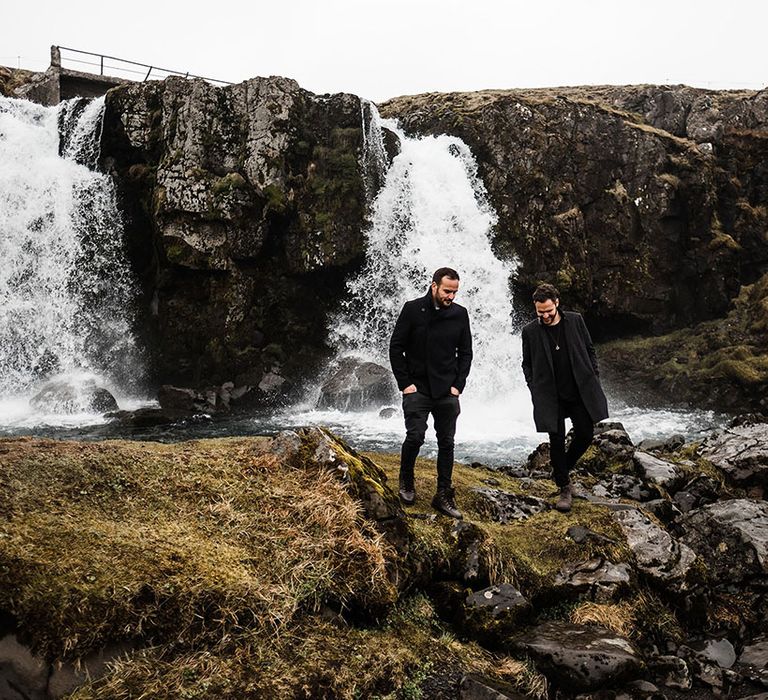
x=285, y=567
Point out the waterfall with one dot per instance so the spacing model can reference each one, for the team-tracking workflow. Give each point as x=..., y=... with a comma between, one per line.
x=66, y=291
x=432, y=211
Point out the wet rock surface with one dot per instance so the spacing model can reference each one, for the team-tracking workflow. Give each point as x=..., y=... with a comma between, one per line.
x=580, y=657
x=495, y=613
x=505, y=507
x=64, y=396
x=596, y=579
x=741, y=452
x=657, y=471
x=659, y=556
x=242, y=204
x=732, y=537
x=357, y=385
x=620, y=595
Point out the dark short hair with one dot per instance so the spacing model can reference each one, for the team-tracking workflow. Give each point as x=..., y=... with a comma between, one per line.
x=545, y=291
x=441, y=272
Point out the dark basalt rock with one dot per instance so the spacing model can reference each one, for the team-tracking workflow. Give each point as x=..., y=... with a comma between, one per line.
x=753, y=662
x=731, y=537
x=611, y=449
x=648, y=235
x=700, y=491
x=741, y=452
x=626, y=486
x=671, y=671
x=357, y=385
x=470, y=559
x=658, y=472
x=245, y=207
x=658, y=555
x=506, y=507
x=670, y=444
x=64, y=396
x=493, y=614
x=597, y=579
x=474, y=687
x=581, y=658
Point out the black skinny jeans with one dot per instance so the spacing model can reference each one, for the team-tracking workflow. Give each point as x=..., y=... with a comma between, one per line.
x=445, y=411
x=583, y=430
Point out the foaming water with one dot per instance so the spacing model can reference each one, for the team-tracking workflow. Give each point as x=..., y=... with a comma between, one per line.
x=501, y=442
x=66, y=291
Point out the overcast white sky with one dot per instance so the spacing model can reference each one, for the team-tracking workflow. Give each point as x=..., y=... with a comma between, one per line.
x=396, y=47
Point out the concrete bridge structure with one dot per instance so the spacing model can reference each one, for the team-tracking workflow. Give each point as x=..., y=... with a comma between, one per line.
x=60, y=82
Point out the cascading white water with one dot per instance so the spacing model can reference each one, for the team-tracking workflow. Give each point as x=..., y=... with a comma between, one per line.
x=432, y=211
x=65, y=286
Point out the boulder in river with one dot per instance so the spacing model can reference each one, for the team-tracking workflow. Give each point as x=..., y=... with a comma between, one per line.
x=67, y=396
x=357, y=385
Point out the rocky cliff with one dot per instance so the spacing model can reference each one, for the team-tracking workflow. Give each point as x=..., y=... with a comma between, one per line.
x=244, y=210
x=646, y=204
x=246, y=206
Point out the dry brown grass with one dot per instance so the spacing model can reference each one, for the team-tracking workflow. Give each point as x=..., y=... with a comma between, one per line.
x=313, y=659
x=119, y=540
x=524, y=677
x=617, y=617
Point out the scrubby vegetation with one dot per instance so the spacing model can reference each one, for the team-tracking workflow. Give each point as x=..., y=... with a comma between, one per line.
x=286, y=568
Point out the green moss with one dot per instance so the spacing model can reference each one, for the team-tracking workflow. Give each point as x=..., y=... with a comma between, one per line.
x=228, y=183
x=538, y=546
x=749, y=371
x=113, y=541
x=276, y=200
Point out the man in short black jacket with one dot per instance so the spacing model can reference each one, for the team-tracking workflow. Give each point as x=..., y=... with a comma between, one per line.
x=431, y=353
x=560, y=368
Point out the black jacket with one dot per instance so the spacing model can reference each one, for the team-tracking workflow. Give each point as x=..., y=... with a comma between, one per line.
x=540, y=376
x=431, y=348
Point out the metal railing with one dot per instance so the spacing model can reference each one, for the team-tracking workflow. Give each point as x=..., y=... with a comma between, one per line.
x=56, y=60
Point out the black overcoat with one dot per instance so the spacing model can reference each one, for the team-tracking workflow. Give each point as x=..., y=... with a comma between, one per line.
x=540, y=374
x=431, y=348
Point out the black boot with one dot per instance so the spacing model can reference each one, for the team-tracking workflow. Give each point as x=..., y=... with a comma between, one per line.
x=445, y=503
x=407, y=492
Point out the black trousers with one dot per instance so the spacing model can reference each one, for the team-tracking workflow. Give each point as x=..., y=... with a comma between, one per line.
x=583, y=430
x=416, y=409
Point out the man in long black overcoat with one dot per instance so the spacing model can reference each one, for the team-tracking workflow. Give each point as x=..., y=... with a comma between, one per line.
x=431, y=352
x=560, y=368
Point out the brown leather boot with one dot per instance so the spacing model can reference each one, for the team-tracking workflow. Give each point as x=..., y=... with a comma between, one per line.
x=407, y=492
x=565, y=500
x=445, y=502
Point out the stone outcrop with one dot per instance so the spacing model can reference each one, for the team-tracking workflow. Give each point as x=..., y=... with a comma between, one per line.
x=718, y=364
x=580, y=657
x=646, y=205
x=741, y=452
x=245, y=207
x=732, y=537
x=13, y=78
